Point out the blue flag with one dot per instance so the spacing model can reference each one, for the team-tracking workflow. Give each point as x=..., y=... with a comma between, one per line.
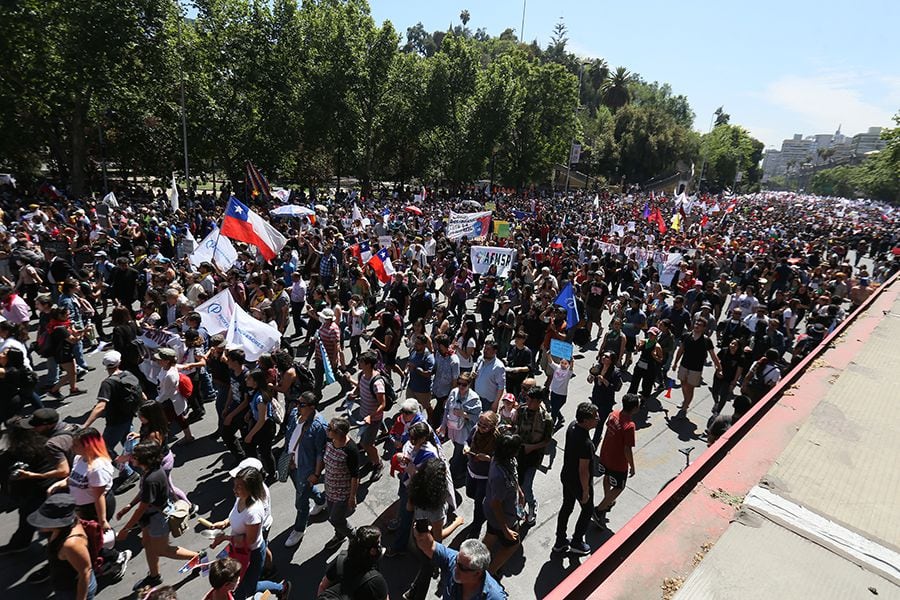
x=326, y=364
x=566, y=299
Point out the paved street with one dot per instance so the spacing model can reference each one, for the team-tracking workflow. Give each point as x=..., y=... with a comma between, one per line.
x=529, y=574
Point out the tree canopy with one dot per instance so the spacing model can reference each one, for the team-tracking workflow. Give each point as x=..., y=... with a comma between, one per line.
x=311, y=90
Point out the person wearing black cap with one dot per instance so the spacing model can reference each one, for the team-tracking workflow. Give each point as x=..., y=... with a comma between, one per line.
x=71, y=572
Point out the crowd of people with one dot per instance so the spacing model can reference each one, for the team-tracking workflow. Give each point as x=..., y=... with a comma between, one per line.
x=445, y=376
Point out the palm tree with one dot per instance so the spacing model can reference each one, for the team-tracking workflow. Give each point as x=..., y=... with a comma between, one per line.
x=464, y=17
x=598, y=72
x=615, y=89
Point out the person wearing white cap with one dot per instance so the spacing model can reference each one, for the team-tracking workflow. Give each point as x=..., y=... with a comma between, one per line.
x=118, y=400
x=328, y=339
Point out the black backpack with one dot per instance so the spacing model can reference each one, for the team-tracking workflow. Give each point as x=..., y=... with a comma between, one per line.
x=338, y=591
x=390, y=396
x=128, y=392
x=304, y=381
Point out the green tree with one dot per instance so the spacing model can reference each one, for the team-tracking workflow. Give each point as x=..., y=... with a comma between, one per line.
x=727, y=150
x=650, y=142
x=66, y=64
x=615, y=89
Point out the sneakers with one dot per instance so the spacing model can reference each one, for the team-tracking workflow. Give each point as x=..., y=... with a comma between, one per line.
x=127, y=484
x=285, y=590
x=294, y=539
x=598, y=518
x=531, y=519
x=40, y=576
x=560, y=547
x=377, y=472
x=150, y=581
x=317, y=509
x=579, y=549
x=122, y=565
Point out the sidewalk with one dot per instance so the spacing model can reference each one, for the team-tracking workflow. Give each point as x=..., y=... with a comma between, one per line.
x=804, y=505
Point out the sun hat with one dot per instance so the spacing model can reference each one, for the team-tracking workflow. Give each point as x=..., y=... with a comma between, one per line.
x=57, y=511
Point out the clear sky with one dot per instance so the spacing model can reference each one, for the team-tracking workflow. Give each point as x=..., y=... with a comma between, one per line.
x=778, y=67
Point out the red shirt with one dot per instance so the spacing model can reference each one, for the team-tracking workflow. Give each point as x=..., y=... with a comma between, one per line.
x=619, y=435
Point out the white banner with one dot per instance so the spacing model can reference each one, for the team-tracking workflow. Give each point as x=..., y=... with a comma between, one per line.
x=471, y=225
x=667, y=273
x=215, y=248
x=215, y=313
x=250, y=334
x=485, y=256
x=162, y=338
x=604, y=247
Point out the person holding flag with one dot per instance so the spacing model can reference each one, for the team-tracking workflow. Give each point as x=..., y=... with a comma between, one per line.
x=328, y=350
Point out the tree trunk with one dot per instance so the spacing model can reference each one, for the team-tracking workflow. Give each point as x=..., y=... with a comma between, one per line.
x=78, y=146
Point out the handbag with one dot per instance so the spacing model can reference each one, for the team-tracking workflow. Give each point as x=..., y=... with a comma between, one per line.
x=283, y=465
x=177, y=517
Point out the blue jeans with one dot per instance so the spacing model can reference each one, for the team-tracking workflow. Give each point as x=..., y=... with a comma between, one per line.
x=78, y=352
x=52, y=377
x=70, y=594
x=247, y=586
x=406, y=518
x=305, y=491
x=114, y=435
x=526, y=478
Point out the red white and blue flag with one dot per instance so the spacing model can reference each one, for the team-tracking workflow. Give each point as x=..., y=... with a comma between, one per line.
x=381, y=263
x=242, y=224
x=362, y=252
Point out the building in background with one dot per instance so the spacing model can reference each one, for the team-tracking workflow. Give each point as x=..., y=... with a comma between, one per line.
x=819, y=151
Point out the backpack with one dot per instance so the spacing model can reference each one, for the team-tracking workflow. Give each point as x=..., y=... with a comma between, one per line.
x=336, y=590
x=390, y=396
x=129, y=396
x=304, y=380
x=44, y=345
x=185, y=385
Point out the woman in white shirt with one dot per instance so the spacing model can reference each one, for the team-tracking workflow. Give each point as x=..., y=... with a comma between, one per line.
x=465, y=345
x=90, y=478
x=246, y=543
x=461, y=412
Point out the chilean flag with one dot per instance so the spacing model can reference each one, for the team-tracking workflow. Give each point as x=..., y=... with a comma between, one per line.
x=242, y=224
x=381, y=263
x=362, y=252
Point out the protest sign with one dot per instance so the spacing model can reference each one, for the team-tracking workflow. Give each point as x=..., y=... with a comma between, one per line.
x=471, y=225
x=485, y=256
x=385, y=241
x=561, y=349
x=667, y=273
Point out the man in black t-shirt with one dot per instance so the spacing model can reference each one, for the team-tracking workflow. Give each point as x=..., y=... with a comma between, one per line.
x=356, y=571
x=118, y=400
x=577, y=481
x=695, y=347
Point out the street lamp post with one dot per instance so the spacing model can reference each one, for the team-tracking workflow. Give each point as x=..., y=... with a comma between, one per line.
x=574, y=127
x=703, y=165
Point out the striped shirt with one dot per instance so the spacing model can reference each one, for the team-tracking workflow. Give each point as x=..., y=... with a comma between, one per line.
x=330, y=336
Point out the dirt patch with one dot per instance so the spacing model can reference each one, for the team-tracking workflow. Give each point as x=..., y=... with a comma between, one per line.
x=670, y=587
x=726, y=498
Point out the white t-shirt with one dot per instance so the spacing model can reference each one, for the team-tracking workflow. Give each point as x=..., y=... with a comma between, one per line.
x=82, y=477
x=254, y=514
x=465, y=363
x=560, y=382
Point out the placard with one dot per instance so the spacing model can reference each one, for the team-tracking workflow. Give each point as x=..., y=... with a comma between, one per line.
x=561, y=349
x=485, y=256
